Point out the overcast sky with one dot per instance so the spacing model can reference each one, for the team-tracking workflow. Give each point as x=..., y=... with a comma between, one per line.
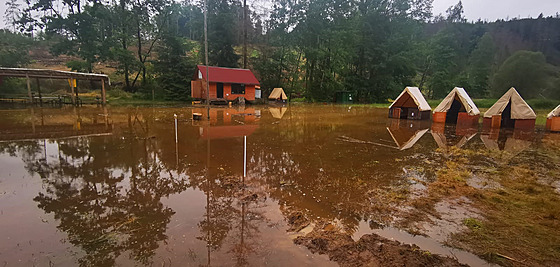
x=492, y=10
x=474, y=9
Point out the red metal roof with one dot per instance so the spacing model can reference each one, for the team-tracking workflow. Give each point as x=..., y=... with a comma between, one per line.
x=228, y=75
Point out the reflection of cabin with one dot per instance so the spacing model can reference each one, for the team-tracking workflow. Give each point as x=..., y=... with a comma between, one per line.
x=514, y=142
x=225, y=83
x=411, y=105
x=278, y=113
x=405, y=135
x=227, y=116
x=452, y=136
x=553, y=120
x=510, y=111
x=457, y=107
x=229, y=122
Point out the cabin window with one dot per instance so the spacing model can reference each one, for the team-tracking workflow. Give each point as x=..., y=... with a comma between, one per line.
x=237, y=89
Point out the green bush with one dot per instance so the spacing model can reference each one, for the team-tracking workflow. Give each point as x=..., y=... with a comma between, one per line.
x=118, y=93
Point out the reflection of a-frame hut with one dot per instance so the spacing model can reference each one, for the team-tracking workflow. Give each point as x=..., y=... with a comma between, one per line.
x=553, y=120
x=411, y=105
x=510, y=111
x=405, y=135
x=457, y=107
x=443, y=138
x=278, y=113
x=514, y=142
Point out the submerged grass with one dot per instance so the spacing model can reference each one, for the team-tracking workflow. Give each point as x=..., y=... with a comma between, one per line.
x=522, y=218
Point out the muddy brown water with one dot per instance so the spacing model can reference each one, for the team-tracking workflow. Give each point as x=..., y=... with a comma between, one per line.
x=109, y=186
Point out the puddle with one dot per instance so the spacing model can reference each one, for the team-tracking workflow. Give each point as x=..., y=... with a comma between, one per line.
x=123, y=186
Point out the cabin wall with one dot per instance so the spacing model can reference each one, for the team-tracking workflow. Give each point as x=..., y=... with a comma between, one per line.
x=198, y=92
x=496, y=123
x=553, y=124
x=464, y=118
x=196, y=89
x=439, y=117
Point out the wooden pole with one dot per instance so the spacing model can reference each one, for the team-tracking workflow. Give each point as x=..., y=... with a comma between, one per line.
x=29, y=89
x=206, y=58
x=39, y=91
x=103, y=93
x=72, y=94
x=244, y=34
x=77, y=97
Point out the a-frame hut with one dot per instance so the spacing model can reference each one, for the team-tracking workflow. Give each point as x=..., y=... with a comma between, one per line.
x=278, y=95
x=510, y=111
x=553, y=120
x=411, y=105
x=457, y=107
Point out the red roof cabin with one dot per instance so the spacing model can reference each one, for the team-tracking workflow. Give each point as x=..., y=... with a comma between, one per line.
x=225, y=83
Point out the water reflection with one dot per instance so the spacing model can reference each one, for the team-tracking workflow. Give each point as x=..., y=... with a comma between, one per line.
x=452, y=135
x=122, y=191
x=513, y=141
x=407, y=133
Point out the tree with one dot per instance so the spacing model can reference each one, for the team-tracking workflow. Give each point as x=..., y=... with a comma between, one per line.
x=482, y=60
x=174, y=64
x=221, y=33
x=14, y=49
x=12, y=14
x=455, y=13
x=528, y=72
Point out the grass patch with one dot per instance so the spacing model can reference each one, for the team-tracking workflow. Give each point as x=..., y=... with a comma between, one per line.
x=522, y=219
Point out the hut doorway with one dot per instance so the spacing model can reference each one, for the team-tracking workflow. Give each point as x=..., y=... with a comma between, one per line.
x=506, y=121
x=453, y=112
x=219, y=90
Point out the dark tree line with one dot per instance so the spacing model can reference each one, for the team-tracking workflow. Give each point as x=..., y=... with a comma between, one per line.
x=312, y=48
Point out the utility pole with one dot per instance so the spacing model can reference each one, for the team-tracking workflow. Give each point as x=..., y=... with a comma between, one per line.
x=244, y=34
x=206, y=58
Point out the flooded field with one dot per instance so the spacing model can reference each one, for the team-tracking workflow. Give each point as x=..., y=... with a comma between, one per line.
x=315, y=185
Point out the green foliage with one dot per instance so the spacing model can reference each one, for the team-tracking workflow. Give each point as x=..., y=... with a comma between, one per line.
x=528, y=72
x=78, y=65
x=311, y=48
x=221, y=38
x=481, y=65
x=174, y=65
x=14, y=49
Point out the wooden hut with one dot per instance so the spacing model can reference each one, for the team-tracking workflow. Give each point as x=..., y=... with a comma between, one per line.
x=226, y=84
x=457, y=107
x=411, y=105
x=510, y=111
x=553, y=120
x=278, y=95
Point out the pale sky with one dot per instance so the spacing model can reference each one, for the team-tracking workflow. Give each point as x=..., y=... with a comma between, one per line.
x=492, y=10
x=474, y=9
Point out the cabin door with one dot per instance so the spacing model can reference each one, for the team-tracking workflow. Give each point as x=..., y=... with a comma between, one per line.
x=220, y=90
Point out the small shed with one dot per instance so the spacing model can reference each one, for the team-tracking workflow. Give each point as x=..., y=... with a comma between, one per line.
x=278, y=95
x=553, y=120
x=457, y=107
x=510, y=111
x=411, y=105
x=225, y=83
x=344, y=97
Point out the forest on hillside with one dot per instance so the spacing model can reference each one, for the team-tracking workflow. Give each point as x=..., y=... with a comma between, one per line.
x=311, y=48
